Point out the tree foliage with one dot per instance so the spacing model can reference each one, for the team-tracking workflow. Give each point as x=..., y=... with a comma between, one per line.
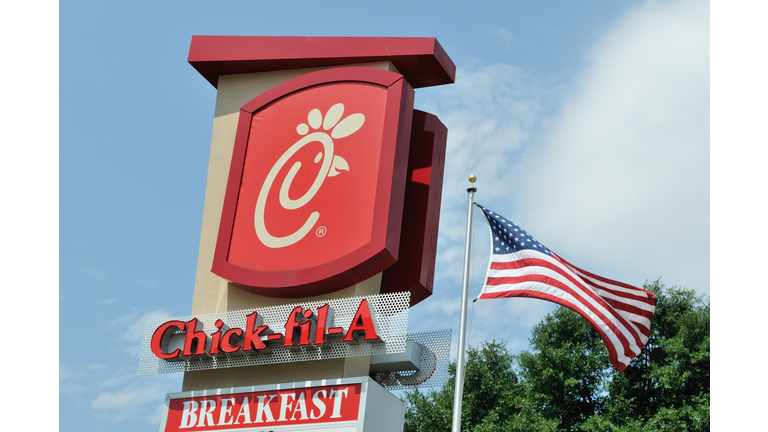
x=494, y=400
x=565, y=382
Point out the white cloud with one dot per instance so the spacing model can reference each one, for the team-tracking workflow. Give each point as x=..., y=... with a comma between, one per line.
x=623, y=180
x=132, y=328
x=125, y=397
x=506, y=319
x=500, y=35
x=615, y=177
x=157, y=416
x=492, y=114
x=92, y=272
x=149, y=283
x=444, y=306
x=74, y=378
x=116, y=395
x=136, y=398
x=610, y=170
x=137, y=329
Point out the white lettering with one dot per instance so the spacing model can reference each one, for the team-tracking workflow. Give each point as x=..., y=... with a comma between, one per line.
x=263, y=408
x=285, y=405
x=288, y=203
x=245, y=412
x=226, y=411
x=301, y=406
x=206, y=412
x=293, y=407
x=188, y=416
x=319, y=404
x=337, y=397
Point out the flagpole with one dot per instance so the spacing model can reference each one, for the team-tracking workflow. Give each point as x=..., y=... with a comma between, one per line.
x=463, y=324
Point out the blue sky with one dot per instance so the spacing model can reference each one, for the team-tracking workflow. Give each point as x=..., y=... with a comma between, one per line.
x=588, y=124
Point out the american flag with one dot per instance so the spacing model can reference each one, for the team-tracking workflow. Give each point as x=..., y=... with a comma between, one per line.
x=522, y=267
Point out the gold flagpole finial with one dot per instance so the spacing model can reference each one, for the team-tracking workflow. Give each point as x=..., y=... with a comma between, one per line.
x=472, y=178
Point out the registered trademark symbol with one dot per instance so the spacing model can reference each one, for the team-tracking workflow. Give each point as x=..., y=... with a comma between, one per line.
x=321, y=231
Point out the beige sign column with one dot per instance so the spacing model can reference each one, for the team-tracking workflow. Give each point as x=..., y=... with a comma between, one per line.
x=214, y=294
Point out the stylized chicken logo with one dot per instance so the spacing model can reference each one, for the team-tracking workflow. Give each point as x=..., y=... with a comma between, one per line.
x=332, y=165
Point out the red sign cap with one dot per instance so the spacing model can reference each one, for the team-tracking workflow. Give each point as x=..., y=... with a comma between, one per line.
x=422, y=60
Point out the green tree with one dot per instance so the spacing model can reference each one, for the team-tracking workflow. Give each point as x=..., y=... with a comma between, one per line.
x=566, y=383
x=669, y=380
x=566, y=369
x=493, y=399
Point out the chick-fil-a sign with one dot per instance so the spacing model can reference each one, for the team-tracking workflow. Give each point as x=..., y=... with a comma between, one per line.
x=265, y=409
x=316, y=186
x=303, y=328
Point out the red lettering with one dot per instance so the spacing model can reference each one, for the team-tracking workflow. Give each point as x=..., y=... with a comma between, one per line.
x=195, y=341
x=253, y=331
x=362, y=323
x=226, y=340
x=290, y=326
x=162, y=336
x=303, y=328
x=216, y=337
x=324, y=316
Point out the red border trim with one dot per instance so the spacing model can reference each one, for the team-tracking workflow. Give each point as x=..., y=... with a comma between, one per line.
x=415, y=268
x=422, y=60
x=363, y=263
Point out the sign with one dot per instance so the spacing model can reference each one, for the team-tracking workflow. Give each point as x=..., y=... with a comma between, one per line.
x=325, y=405
x=314, y=200
x=334, y=328
x=303, y=328
x=345, y=405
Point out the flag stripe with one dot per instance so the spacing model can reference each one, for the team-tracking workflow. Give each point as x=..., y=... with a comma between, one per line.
x=634, y=306
x=638, y=294
x=543, y=260
x=522, y=267
x=570, y=284
x=629, y=315
x=639, y=307
x=619, y=362
x=608, y=283
x=561, y=278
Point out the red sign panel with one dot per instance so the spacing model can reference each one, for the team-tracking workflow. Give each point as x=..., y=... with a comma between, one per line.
x=315, y=194
x=415, y=267
x=267, y=409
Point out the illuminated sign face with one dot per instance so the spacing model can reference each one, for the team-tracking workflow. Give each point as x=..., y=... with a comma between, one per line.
x=315, y=193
